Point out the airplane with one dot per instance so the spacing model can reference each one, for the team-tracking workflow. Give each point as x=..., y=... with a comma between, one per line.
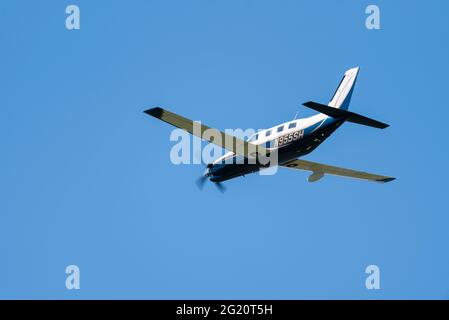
x=291, y=140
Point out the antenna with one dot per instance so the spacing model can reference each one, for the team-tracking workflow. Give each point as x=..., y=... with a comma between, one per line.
x=296, y=115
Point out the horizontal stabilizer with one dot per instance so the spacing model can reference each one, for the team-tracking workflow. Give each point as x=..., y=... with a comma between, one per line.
x=350, y=116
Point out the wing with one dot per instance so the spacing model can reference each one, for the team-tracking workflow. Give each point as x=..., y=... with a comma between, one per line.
x=319, y=170
x=224, y=140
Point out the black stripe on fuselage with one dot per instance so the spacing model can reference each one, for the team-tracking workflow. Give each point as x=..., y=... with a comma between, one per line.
x=226, y=171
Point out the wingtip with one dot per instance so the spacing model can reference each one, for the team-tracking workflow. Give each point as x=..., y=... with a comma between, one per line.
x=389, y=179
x=155, y=112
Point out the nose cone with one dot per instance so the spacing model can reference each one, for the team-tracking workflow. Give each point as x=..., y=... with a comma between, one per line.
x=209, y=170
x=214, y=170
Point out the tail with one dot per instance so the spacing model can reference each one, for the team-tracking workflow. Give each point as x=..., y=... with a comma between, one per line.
x=338, y=107
x=343, y=94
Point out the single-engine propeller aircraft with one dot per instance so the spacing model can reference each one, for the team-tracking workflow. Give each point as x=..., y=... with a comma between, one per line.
x=291, y=140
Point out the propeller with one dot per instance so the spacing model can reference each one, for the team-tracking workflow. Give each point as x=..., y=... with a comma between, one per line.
x=204, y=177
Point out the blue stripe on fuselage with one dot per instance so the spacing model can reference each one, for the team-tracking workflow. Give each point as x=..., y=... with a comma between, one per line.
x=319, y=125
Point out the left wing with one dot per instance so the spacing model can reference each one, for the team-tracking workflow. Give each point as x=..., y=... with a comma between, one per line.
x=222, y=139
x=319, y=170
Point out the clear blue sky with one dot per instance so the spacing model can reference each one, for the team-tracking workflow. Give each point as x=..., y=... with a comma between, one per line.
x=86, y=177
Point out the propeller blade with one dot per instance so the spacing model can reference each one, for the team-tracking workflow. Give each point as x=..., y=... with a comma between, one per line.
x=200, y=182
x=220, y=187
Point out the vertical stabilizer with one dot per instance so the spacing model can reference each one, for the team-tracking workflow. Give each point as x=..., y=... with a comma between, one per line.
x=343, y=94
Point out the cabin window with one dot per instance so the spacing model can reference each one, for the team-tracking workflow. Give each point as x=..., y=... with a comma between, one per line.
x=280, y=128
x=292, y=125
x=270, y=144
x=267, y=133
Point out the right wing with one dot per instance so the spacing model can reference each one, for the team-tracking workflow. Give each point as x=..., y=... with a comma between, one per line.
x=319, y=170
x=224, y=140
